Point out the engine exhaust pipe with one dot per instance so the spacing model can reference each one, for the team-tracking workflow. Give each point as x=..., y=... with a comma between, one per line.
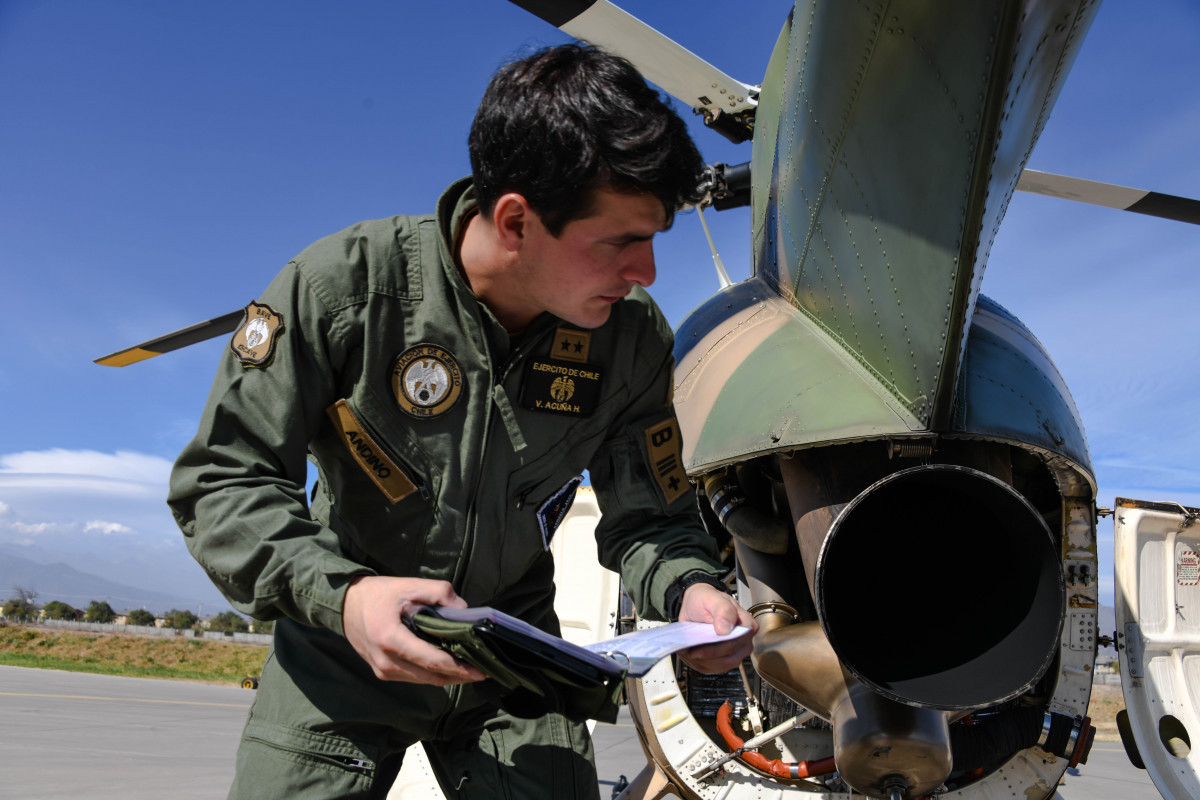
x=938, y=590
x=940, y=586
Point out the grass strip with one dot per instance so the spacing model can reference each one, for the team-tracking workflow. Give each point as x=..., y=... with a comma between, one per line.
x=130, y=655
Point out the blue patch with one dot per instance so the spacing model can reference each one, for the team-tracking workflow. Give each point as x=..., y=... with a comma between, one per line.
x=550, y=514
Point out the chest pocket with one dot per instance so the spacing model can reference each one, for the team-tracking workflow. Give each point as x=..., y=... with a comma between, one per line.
x=392, y=479
x=384, y=500
x=537, y=487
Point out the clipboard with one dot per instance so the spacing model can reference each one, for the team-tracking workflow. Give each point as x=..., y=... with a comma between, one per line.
x=533, y=672
x=530, y=673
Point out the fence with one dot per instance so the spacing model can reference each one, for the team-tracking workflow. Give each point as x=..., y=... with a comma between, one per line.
x=146, y=630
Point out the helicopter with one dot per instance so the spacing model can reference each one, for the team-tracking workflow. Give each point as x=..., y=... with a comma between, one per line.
x=863, y=467
x=815, y=488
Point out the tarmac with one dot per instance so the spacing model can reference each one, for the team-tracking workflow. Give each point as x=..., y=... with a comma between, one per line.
x=70, y=735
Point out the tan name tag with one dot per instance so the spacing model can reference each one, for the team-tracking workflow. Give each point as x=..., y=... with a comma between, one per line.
x=663, y=451
x=390, y=479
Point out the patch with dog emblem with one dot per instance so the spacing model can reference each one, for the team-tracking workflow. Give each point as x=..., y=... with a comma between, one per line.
x=426, y=380
x=254, y=340
x=666, y=462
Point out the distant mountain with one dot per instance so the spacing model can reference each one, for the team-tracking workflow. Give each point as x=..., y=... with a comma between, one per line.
x=60, y=581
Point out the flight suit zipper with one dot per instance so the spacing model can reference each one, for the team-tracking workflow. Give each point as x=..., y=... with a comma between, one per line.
x=514, y=357
x=413, y=475
x=352, y=763
x=524, y=495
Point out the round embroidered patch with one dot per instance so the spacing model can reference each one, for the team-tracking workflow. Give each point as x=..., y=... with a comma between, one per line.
x=426, y=380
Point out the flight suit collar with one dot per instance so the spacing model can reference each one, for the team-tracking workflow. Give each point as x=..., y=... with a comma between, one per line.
x=455, y=208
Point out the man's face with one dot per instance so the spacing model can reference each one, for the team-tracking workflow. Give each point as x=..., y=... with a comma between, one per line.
x=595, y=260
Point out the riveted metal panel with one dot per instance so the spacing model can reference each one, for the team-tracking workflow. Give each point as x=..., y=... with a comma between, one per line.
x=890, y=140
x=1011, y=390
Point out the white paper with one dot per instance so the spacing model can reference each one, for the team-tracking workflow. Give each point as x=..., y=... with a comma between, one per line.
x=635, y=652
x=645, y=648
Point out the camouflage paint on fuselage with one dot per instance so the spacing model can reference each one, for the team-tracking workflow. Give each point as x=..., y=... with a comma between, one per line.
x=889, y=141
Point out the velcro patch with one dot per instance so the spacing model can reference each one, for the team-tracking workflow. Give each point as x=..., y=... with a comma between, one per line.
x=551, y=513
x=254, y=340
x=665, y=459
x=560, y=389
x=390, y=479
x=571, y=345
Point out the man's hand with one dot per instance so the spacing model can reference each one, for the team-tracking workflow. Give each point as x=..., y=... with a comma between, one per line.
x=705, y=603
x=371, y=616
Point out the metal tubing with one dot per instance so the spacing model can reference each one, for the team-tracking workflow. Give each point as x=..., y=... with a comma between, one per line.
x=772, y=766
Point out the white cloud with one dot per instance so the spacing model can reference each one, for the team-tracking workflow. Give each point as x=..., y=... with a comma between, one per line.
x=77, y=499
x=106, y=528
x=32, y=529
x=122, y=465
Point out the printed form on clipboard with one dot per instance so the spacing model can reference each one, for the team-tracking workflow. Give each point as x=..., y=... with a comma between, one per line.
x=631, y=655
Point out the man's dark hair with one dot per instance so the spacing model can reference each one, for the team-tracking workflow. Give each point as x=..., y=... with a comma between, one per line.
x=566, y=121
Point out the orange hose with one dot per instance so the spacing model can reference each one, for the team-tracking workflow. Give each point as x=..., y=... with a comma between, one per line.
x=772, y=766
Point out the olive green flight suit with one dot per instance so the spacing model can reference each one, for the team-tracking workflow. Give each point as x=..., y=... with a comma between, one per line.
x=445, y=451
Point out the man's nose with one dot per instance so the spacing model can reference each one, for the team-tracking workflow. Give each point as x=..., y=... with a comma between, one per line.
x=640, y=268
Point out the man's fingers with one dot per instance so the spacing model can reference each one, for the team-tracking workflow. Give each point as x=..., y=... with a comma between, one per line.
x=719, y=657
x=411, y=659
x=434, y=593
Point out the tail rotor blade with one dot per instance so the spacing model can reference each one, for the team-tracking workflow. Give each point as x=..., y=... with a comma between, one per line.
x=199, y=332
x=1141, y=201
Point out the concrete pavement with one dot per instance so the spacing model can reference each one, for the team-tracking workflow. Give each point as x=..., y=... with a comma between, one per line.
x=69, y=736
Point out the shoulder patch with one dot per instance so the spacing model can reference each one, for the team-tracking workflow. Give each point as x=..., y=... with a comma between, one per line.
x=384, y=472
x=665, y=459
x=254, y=341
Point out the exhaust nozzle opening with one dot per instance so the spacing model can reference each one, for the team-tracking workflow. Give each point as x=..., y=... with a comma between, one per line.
x=940, y=586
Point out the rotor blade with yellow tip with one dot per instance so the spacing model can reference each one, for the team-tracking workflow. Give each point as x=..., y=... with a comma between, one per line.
x=199, y=332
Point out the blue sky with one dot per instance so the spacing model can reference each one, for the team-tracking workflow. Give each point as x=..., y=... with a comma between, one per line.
x=160, y=161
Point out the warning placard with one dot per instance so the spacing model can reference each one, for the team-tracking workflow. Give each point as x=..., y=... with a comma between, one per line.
x=1187, y=566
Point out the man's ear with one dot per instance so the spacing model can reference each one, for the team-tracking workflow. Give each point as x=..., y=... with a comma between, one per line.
x=511, y=217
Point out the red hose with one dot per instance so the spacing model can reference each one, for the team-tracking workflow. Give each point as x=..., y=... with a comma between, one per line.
x=772, y=766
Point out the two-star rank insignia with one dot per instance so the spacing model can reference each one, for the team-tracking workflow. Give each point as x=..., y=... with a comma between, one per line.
x=665, y=459
x=571, y=345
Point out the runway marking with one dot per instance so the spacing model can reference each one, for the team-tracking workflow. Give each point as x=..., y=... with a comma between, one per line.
x=122, y=699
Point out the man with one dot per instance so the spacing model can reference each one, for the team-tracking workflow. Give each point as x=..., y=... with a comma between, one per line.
x=452, y=376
